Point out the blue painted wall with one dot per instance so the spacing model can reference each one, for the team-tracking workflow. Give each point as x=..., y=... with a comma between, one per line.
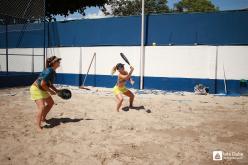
x=14, y=79
x=23, y=36
x=217, y=28
x=160, y=83
x=220, y=28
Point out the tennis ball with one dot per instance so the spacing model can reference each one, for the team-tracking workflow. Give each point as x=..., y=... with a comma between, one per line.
x=148, y=111
x=154, y=44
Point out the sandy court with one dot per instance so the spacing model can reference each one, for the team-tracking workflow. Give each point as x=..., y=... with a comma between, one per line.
x=181, y=129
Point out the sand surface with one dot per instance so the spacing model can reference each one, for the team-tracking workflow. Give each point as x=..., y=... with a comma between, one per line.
x=181, y=128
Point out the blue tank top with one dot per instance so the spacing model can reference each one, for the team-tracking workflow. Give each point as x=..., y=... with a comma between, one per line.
x=48, y=75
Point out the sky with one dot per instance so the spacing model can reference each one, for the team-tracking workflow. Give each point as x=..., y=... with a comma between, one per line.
x=222, y=4
x=94, y=12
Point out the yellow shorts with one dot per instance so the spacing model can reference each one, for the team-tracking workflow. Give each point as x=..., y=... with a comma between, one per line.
x=117, y=90
x=37, y=94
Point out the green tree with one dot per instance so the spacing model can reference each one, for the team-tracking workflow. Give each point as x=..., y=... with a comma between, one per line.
x=134, y=7
x=195, y=6
x=66, y=7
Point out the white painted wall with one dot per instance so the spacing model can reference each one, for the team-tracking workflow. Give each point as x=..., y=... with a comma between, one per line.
x=235, y=60
x=160, y=61
x=20, y=60
x=179, y=61
x=2, y=60
x=2, y=63
x=77, y=60
x=28, y=51
x=70, y=59
x=108, y=57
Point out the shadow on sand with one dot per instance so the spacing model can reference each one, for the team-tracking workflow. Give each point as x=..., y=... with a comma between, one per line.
x=53, y=122
x=127, y=108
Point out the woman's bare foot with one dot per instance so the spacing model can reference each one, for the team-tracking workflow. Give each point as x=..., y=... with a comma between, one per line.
x=39, y=128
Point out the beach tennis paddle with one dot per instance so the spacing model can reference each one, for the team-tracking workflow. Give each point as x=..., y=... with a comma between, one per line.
x=127, y=61
x=64, y=94
x=125, y=58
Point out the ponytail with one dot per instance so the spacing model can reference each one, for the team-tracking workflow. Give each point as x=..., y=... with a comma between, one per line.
x=113, y=70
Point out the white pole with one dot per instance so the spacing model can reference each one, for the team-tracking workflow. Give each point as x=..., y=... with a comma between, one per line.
x=142, y=46
x=216, y=69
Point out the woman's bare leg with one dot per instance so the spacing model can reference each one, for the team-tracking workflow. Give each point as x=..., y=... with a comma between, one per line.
x=131, y=97
x=49, y=104
x=41, y=108
x=119, y=101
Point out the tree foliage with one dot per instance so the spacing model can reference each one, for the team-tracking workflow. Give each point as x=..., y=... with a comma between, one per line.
x=195, y=6
x=134, y=7
x=124, y=7
x=66, y=7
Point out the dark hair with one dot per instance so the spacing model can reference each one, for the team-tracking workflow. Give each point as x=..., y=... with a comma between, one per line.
x=119, y=66
x=116, y=67
x=51, y=60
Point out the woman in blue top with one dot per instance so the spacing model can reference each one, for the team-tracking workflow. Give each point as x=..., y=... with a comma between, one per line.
x=42, y=89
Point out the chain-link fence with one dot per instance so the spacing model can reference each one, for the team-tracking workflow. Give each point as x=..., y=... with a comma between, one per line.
x=22, y=35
